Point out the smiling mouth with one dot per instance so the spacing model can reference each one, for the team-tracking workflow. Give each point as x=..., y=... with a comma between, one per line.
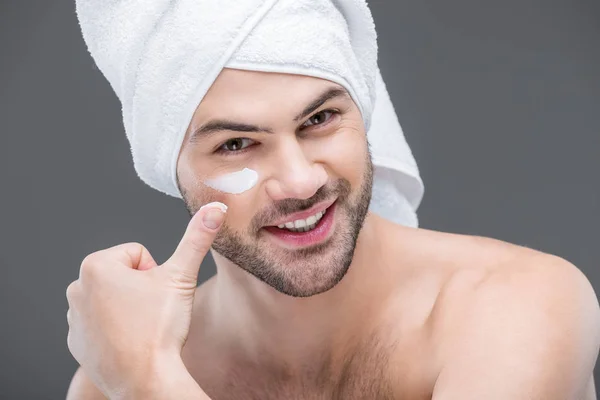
x=304, y=225
x=307, y=222
x=310, y=231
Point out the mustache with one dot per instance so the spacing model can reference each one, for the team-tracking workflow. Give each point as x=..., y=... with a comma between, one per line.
x=340, y=189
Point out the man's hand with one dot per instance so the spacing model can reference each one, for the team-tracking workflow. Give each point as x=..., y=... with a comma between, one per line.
x=128, y=317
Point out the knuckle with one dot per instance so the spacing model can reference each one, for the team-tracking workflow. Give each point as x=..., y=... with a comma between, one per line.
x=87, y=270
x=87, y=264
x=91, y=264
x=130, y=247
x=90, y=258
x=71, y=291
x=183, y=281
x=121, y=246
x=70, y=344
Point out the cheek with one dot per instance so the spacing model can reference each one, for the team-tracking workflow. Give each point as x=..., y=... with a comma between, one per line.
x=192, y=172
x=346, y=152
x=198, y=167
x=238, y=206
x=196, y=194
x=238, y=215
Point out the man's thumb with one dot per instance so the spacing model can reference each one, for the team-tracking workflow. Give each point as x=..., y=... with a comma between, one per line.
x=196, y=241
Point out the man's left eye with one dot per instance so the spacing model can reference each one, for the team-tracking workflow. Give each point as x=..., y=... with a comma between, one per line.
x=319, y=117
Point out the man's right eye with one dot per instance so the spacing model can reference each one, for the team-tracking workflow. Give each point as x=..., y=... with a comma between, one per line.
x=236, y=145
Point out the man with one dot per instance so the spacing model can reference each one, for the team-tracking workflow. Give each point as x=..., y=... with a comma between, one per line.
x=357, y=308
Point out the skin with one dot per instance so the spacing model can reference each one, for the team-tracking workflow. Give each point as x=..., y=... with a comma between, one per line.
x=382, y=311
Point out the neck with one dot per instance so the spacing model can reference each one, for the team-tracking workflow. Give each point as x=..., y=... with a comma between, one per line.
x=263, y=322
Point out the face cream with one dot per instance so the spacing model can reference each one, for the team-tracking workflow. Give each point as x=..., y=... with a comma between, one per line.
x=234, y=183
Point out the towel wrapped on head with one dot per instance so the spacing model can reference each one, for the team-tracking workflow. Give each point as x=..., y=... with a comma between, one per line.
x=162, y=56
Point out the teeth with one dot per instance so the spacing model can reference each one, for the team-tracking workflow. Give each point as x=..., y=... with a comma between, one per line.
x=303, y=225
x=299, y=223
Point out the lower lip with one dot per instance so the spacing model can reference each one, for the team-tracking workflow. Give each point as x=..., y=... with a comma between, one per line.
x=303, y=239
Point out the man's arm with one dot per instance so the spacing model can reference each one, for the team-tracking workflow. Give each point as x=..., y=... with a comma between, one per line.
x=82, y=388
x=526, y=333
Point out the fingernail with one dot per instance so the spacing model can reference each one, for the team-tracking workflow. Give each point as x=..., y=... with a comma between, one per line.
x=222, y=206
x=213, y=218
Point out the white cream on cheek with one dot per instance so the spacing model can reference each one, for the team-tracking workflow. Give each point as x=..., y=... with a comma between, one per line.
x=234, y=183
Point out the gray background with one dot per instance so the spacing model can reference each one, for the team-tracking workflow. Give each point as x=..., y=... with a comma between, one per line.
x=499, y=100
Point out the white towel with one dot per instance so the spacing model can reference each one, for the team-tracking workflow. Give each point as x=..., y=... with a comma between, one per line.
x=162, y=56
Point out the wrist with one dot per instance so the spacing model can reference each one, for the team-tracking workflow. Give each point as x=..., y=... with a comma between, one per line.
x=167, y=379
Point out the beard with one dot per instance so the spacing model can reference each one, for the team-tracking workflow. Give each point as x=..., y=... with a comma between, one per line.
x=308, y=271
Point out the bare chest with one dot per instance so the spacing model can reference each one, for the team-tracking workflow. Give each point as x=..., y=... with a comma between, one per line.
x=371, y=372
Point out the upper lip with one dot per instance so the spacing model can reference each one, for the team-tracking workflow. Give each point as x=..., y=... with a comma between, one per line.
x=304, y=214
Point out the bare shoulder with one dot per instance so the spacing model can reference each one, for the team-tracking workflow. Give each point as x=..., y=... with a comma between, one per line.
x=529, y=317
x=475, y=266
x=528, y=280
x=82, y=388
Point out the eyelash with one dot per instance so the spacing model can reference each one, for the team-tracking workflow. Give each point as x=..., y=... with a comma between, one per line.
x=222, y=151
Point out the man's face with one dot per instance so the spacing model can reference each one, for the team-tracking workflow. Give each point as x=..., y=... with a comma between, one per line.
x=307, y=161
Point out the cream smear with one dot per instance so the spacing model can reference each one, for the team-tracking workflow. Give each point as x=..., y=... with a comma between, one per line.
x=234, y=183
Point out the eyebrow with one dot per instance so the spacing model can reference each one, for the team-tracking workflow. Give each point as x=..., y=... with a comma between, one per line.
x=214, y=126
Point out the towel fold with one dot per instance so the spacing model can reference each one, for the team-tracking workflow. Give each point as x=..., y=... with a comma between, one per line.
x=161, y=57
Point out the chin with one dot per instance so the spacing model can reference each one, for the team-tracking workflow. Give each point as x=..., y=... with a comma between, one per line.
x=308, y=272
x=311, y=284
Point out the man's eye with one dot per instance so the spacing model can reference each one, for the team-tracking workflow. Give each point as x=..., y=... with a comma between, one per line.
x=235, y=145
x=319, y=118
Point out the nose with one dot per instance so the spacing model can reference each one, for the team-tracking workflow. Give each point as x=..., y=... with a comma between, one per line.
x=294, y=175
